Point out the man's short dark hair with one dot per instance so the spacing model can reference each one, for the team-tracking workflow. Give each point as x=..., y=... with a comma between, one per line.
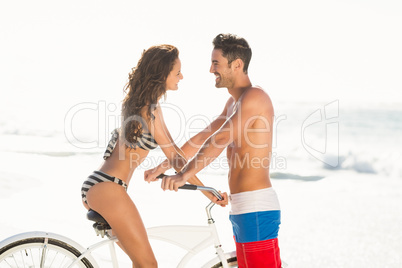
x=233, y=47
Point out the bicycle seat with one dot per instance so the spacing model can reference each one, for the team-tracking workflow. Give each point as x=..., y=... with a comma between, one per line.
x=100, y=226
x=92, y=215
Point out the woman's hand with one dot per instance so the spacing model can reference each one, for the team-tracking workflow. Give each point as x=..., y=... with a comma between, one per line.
x=151, y=174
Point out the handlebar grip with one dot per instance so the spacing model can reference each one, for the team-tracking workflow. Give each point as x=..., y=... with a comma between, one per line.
x=188, y=187
x=196, y=187
x=160, y=176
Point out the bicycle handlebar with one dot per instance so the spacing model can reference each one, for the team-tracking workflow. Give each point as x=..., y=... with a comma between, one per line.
x=196, y=187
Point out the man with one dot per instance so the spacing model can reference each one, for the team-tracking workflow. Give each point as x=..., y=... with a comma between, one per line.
x=244, y=129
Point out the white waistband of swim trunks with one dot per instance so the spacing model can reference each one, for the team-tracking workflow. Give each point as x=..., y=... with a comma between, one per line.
x=254, y=201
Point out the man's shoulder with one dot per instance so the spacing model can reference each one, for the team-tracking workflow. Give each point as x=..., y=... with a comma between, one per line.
x=256, y=95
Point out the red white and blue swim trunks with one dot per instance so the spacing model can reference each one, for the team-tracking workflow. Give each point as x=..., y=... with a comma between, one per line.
x=255, y=217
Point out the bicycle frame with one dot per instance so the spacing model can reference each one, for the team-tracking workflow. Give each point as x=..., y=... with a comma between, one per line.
x=87, y=253
x=191, y=238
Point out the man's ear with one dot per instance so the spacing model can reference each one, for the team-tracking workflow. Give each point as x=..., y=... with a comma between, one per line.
x=238, y=64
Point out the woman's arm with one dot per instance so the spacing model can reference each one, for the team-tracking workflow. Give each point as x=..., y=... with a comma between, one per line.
x=192, y=146
x=175, y=156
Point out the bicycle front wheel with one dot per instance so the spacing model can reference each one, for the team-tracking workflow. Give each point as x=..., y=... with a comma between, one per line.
x=232, y=262
x=43, y=252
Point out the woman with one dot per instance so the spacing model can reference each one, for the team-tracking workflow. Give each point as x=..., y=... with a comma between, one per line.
x=143, y=129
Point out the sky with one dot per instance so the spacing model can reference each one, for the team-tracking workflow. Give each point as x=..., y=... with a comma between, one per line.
x=55, y=55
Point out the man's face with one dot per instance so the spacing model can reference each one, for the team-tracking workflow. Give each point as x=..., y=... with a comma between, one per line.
x=221, y=69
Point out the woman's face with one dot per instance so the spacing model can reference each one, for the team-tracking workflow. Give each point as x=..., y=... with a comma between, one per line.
x=174, y=76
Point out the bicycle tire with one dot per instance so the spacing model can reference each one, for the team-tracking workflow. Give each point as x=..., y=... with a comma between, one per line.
x=30, y=252
x=232, y=262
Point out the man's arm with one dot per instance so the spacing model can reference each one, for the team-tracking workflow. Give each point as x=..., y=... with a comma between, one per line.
x=232, y=130
x=174, y=155
x=191, y=147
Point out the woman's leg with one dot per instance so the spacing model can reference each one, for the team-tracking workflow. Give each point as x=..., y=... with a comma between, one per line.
x=113, y=203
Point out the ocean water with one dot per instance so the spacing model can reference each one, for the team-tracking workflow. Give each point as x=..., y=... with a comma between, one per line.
x=327, y=136
x=336, y=168
x=343, y=136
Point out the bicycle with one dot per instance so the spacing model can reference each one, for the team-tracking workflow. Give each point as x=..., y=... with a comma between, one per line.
x=48, y=250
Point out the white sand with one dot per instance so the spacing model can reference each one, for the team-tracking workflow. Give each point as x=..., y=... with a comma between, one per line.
x=343, y=220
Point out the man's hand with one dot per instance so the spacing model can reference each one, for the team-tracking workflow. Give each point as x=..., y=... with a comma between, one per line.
x=173, y=183
x=222, y=202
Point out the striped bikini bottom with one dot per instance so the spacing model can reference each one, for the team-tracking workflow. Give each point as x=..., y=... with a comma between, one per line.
x=97, y=177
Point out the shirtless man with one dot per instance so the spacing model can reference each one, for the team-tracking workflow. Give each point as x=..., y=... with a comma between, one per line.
x=245, y=129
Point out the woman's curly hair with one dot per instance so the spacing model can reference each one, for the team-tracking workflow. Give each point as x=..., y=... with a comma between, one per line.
x=147, y=83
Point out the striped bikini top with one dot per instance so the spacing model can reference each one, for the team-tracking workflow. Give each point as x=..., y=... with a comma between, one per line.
x=145, y=142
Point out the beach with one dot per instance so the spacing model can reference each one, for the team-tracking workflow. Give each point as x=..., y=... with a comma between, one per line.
x=330, y=218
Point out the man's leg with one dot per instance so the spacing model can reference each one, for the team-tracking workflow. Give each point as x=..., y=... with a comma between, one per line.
x=260, y=254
